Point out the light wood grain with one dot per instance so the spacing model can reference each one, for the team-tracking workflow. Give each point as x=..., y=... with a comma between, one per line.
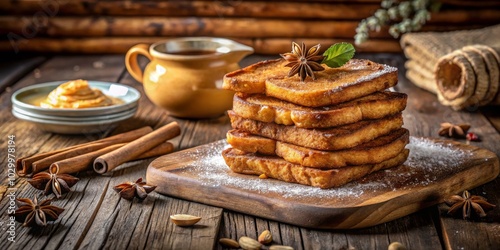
x=179, y=175
x=30, y=140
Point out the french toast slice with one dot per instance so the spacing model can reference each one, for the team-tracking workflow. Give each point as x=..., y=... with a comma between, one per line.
x=336, y=138
x=268, y=109
x=355, y=79
x=249, y=143
x=277, y=168
x=252, y=79
x=380, y=149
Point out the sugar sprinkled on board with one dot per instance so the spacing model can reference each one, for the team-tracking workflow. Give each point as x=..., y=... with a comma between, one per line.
x=435, y=158
x=427, y=161
x=212, y=170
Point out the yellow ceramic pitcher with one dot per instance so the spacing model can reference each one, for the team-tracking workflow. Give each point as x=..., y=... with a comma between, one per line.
x=184, y=75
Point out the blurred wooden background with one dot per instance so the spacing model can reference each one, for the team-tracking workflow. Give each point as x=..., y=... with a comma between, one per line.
x=113, y=26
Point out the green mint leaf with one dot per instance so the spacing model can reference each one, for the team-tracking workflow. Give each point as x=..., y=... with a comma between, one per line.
x=338, y=54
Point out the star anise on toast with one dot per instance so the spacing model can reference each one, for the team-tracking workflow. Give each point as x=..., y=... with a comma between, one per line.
x=32, y=213
x=303, y=62
x=129, y=190
x=453, y=131
x=468, y=203
x=52, y=182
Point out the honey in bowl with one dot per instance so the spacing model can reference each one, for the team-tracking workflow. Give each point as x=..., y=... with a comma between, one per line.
x=77, y=94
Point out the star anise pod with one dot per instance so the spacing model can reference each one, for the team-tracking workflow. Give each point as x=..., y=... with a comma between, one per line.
x=129, y=190
x=32, y=213
x=52, y=182
x=303, y=62
x=467, y=203
x=453, y=131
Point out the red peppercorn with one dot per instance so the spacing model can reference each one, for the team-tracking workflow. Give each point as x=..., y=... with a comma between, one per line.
x=472, y=137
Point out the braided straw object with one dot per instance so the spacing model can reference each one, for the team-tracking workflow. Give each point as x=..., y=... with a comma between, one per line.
x=461, y=67
x=455, y=79
x=420, y=76
x=493, y=71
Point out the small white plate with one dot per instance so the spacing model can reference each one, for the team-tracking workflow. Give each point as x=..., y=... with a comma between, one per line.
x=25, y=99
x=68, y=127
x=72, y=118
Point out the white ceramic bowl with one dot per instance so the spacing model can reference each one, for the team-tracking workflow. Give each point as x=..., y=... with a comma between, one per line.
x=25, y=99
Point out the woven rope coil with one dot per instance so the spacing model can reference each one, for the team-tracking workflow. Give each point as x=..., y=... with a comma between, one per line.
x=434, y=58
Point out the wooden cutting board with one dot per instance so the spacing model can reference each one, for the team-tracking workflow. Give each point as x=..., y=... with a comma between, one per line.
x=434, y=170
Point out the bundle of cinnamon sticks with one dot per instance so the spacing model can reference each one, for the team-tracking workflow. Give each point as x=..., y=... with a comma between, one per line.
x=105, y=154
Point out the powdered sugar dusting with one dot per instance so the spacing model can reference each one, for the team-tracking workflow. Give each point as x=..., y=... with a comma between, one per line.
x=427, y=162
x=385, y=69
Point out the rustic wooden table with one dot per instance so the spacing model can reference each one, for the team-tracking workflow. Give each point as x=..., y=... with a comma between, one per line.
x=96, y=217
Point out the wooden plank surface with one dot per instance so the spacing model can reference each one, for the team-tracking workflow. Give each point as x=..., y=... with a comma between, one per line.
x=104, y=210
x=105, y=218
x=423, y=117
x=91, y=26
x=13, y=71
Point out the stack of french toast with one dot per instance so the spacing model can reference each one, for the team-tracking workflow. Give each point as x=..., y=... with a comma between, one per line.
x=322, y=132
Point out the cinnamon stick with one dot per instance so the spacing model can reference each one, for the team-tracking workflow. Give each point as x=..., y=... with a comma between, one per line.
x=84, y=162
x=28, y=166
x=132, y=150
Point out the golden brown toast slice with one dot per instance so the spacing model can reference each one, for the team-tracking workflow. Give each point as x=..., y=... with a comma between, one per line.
x=336, y=138
x=252, y=79
x=380, y=149
x=277, y=168
x=355, y=79
x=268, y=109
x=249, y=143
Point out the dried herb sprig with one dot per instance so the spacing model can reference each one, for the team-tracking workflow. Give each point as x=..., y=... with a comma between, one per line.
x=401, y=17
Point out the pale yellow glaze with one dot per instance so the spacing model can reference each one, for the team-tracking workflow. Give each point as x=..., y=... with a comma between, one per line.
x=77, y=94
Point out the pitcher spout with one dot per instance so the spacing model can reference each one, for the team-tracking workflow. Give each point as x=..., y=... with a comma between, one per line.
x=234, y=51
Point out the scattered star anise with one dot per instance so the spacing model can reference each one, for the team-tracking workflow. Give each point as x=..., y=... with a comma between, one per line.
x=453, y=131
x=467, y=203
x=32, y=213
x=52, y=182
x=129, y=190
x=303, y=62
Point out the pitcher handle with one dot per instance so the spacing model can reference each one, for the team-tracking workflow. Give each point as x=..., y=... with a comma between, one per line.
x=131, y=60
